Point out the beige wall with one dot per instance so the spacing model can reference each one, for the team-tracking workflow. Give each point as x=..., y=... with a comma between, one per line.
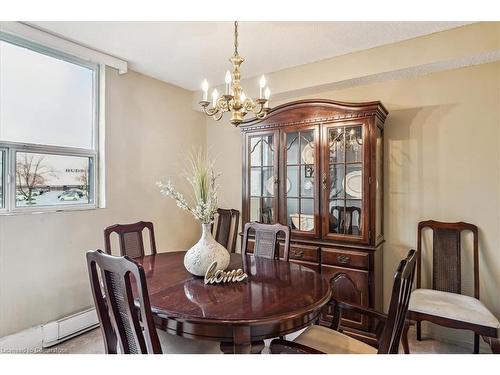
x=442, y=144
x=149, y=127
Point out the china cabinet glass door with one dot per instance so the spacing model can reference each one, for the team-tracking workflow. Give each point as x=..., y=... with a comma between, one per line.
x=344, y=181
x=262, y=177
x=299, y=180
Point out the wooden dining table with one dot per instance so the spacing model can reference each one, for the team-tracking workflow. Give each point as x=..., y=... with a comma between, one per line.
x=278, y=298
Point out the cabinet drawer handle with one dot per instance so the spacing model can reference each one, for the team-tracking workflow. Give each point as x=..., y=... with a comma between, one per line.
x=298, y=253
x=343, y=259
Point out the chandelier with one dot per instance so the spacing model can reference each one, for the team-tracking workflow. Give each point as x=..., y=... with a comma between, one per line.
x=348, y=138
x=234, y=99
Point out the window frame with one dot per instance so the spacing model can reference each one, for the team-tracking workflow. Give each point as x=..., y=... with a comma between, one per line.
x=94, y=153
x=3, y=177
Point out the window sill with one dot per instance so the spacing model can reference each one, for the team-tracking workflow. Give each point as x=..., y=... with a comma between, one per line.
x=48, y=210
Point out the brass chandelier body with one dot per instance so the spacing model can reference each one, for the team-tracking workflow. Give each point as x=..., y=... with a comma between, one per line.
x=234, y=99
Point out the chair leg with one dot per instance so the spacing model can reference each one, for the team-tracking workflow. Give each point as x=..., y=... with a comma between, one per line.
x=419, y=331
x=476, y=343
x=404, y=338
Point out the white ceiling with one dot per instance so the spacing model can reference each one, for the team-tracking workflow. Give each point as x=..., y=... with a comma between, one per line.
x=183, y=53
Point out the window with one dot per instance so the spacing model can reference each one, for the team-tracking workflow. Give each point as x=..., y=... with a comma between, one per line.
x=2, y=183
x=48, y=128
x=49, y=180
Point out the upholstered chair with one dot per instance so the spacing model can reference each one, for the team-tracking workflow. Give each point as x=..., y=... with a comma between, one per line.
x=443, y=302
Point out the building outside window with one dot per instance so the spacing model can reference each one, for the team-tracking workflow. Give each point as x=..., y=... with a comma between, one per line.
x=48, y=129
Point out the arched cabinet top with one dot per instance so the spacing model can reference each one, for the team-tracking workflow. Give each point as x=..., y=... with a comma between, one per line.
x=315, y=111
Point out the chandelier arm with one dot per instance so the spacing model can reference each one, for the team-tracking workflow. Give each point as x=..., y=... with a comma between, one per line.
x=261, y=115
x=222, y=105
x=210, y=111
x=226, y=103
x=261, y=109
x=218, y=117
x=248, y=105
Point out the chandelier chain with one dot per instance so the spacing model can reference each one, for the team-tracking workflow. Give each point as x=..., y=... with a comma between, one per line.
x=235, y=37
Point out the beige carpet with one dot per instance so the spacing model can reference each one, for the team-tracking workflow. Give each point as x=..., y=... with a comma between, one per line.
x=91, y=343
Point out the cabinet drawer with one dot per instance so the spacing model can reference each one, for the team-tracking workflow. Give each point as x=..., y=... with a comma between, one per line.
x=305, y=253
x=297, y=252
x=344, y=258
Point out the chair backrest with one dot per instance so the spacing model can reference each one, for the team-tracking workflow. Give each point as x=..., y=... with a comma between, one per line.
x=446, y=255
x=346, y=218
x=266, y=240
x=116, y=304
x=398, y=307
x=130, y=238
x=226, y=229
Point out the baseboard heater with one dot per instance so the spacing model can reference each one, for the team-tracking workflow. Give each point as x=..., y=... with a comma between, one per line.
x=63, y=329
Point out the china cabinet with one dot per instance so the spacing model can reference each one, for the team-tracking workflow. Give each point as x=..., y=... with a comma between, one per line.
x=317, y=165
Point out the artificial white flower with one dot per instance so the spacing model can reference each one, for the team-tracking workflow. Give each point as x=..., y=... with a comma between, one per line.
x=203, y=180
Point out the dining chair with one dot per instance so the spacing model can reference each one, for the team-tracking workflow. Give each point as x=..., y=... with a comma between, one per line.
x=226, y=228
x=266, y=240
x=130, y=238
x=343, y=219
x=123, y=324
x=330, y=340
x=444, y=304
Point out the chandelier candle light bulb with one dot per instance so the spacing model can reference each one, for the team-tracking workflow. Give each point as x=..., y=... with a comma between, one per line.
x=215, y=95
x=267, y=95
x=204, y=87
x=262, y=84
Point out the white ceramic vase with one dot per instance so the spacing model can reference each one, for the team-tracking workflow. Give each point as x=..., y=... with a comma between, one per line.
x=204, y=252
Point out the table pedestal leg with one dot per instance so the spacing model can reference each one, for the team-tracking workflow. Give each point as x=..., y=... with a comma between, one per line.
x=242, y=342
x=256, y=347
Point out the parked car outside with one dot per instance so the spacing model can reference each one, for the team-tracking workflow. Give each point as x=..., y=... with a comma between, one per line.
x=69, y=196
x=80, y=192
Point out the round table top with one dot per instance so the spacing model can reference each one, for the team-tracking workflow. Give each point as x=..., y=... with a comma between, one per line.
x=274, y=289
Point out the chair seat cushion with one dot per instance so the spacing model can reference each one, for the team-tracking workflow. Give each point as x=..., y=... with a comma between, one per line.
x=330, y=341
x=452, y=306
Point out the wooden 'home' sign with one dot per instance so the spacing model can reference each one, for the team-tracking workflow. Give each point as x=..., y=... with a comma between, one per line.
x=218, y=277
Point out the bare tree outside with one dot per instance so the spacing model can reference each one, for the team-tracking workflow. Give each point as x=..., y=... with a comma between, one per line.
x=31, y=172
x=83, y=177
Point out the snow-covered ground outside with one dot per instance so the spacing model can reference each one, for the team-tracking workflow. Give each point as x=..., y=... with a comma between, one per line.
x=50, y=198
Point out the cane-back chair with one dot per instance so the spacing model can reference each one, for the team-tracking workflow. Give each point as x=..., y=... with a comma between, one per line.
x=130, y=238
x=122, y=304
x=226, y=228
x=266, y=240
x=443, y=303
x=323, y=340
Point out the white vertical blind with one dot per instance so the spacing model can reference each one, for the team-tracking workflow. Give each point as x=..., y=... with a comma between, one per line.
x=44, y=100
